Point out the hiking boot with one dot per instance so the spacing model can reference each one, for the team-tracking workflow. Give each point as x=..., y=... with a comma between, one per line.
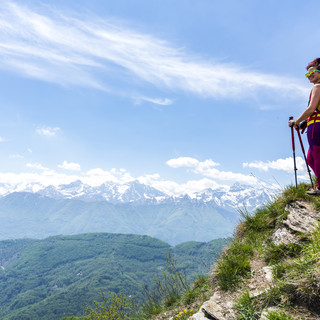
x=313, y=192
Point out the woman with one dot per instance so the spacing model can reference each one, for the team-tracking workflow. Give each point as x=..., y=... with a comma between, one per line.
x=312, y=115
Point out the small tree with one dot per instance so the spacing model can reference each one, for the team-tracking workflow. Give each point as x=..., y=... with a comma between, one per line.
x=112, y=307
x=167, y=289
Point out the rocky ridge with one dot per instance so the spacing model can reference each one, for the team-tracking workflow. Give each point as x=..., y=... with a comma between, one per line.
x=282, y=281
x=302, y=218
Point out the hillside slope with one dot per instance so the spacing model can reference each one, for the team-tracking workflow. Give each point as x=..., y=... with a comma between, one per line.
x=271, y=270
x=51, y=278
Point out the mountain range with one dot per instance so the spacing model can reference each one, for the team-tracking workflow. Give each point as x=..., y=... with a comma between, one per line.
x=135, y=192
x=132, y=208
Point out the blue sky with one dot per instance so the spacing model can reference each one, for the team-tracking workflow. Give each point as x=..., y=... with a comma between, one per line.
x=182, y=95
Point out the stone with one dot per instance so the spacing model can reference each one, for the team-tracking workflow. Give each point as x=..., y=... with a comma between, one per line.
x=302, y=217
x=283, y=236
x=214, y=309
x=265, y=313
x=268, y=273
x=198, y=316
x=257, y=293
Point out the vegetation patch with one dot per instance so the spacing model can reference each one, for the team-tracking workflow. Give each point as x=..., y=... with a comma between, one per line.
x=274, y=254
x=234, y=265
x=248, y=307
x=278, y=315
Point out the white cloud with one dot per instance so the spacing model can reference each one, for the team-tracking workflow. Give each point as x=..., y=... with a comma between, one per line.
x=70, y=166
x=86, y=50
x=37, y=166
x=98, y=176
x=182, y=162
x=47, y=131
x=279, y=164
x=207, y=168
x=173, y=188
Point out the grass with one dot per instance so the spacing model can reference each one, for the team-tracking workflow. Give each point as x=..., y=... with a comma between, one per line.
x=274, y=254
x=234, y=265
x=278, y=315
x=199, y=290
x=248, y=307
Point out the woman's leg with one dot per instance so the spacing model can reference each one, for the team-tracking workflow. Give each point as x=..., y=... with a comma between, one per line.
x=316, y=162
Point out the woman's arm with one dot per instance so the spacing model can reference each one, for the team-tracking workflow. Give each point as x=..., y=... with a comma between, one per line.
x=314, y=102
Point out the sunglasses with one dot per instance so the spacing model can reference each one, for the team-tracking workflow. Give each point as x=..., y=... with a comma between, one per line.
x=310, y=73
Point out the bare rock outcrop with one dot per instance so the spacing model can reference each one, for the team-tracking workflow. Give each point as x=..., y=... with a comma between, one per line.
x=302, y=217
x=216, y=308
x=283, y=236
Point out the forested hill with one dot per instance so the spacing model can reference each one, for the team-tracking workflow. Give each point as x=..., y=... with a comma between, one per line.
x=51, y=278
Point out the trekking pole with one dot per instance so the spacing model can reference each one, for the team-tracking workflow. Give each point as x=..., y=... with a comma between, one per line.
x=304, y=154
x=294, y=154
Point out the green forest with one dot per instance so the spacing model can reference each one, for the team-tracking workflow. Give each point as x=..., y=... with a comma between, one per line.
x=55, y=277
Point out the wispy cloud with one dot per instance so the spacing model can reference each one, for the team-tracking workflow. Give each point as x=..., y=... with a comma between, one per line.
x=279, y=164
x=2, y=139
x=159, y=101
x=37, y=166
x=70, y=166
x=16, y=156
x=88, y=50
x=48, y=131
x=207, y=169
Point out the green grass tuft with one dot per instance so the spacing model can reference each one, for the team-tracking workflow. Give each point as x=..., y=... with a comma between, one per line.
x=278, y=315
x=234, y=265
x=247, y=307
x=274, y=254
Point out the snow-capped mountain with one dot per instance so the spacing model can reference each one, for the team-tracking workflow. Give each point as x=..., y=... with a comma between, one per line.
x=111, y=192
x=135, y=192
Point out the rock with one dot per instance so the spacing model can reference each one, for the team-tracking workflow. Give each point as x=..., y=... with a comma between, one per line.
x=268, y=273
x=257, y=293
x=283, y=236
x=216, y=309
x=198, y=316
x=265, y=313
x=302, y=217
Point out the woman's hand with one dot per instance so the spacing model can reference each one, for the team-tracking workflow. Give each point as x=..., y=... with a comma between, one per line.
x=291, y=123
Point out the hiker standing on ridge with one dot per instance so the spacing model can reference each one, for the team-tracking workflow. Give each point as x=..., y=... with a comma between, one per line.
x=312, y=115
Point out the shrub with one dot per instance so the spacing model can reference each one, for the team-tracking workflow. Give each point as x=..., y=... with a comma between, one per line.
x=112, y=307
x=167, y=289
